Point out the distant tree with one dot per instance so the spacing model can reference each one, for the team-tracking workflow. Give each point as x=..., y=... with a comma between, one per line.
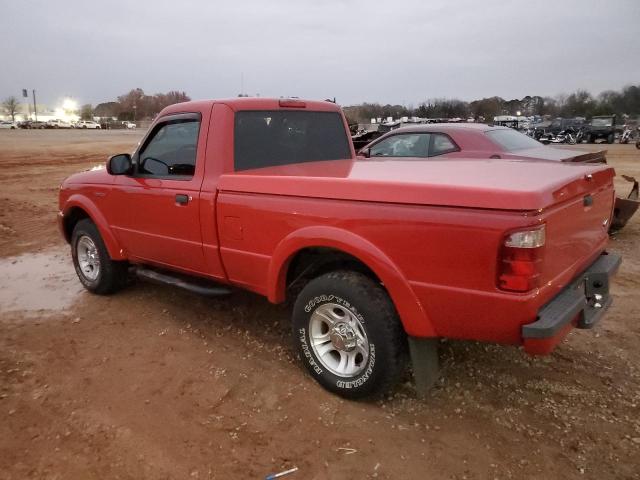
x=487, y=108
x=578, y=104
x=10, y=105
x=136, y=104
x=107, y=109
x=162, y=100
x=86, y=112
x=443, y=108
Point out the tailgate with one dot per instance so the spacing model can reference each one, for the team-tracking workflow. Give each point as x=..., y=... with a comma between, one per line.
x=577, y=228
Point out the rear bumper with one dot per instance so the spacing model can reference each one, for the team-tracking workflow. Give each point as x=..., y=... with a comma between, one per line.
x=581, y=305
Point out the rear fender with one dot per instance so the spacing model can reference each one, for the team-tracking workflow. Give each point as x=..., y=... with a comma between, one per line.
x=412, y=314
x=110, y=241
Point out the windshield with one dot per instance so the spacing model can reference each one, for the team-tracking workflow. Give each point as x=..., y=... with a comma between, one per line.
x=601, y=122
x=511, y=140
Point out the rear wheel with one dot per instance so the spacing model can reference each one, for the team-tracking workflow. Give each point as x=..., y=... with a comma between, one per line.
x=348, y=334
x=95, y=269
x=610, y=138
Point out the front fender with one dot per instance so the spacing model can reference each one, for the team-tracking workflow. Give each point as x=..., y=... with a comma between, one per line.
x=411, y=311
x=78, y=200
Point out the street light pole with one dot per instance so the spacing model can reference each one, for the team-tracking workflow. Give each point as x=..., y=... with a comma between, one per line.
x=35, y=108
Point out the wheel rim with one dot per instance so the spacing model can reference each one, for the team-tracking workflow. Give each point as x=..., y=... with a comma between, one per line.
x=88, y=258
x=338, y=340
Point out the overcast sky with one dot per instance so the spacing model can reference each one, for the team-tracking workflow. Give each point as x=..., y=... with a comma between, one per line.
x=388, y=51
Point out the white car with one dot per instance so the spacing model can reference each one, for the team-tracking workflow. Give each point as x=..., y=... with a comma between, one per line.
x=129, y=125
x=8, y=124
x=58, y=124
x=87, y=124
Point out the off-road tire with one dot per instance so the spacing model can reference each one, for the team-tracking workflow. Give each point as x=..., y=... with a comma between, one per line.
x=610, y=138
x=112, y=275
x=370, y=304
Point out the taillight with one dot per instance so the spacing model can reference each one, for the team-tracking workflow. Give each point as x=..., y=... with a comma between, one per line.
x=520, y=260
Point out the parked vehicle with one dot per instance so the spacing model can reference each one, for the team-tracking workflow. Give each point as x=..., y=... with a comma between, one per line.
x=565, y=136
x=8, y=124
x=110, y=124
x=626, y=135
x=88, y=124
x=31, y=124
x=55, y=123
x=362, y=138
x=378, y=257
x=487, y=141
x=602, y=127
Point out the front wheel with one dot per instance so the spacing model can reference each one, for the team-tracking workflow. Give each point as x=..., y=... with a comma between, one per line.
x=348, y=334
x=97, y=272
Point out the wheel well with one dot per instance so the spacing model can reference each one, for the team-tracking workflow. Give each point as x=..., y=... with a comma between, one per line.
x=71, y=219
x=310, y=263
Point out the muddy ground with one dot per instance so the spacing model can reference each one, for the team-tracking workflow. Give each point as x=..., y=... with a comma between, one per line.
x=154, y=383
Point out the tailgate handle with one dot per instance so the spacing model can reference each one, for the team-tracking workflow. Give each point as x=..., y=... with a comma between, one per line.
x=587, y=201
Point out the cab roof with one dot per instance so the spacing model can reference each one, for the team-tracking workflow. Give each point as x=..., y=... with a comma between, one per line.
x=255, y=103
x=445, y=127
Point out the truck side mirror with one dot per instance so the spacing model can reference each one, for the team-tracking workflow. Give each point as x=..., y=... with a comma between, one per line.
x=120, y=164
x=365, y=152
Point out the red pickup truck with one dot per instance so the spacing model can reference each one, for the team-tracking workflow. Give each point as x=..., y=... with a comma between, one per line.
x=380, y=258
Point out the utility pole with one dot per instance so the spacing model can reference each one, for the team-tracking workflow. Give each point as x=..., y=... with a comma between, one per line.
x=35, y=108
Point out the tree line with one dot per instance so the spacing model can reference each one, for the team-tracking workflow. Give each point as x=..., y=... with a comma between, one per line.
x=134, y=105
x=625, y=102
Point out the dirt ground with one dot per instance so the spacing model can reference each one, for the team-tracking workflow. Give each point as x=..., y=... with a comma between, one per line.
x=154, y=383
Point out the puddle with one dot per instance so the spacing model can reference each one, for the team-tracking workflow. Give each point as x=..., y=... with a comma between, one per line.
x=38, y=283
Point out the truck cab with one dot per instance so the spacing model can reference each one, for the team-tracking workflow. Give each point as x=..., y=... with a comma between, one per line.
x=602, y=127
x=378, y=258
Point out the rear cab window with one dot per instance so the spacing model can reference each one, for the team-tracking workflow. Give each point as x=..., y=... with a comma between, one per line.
x=268, y=138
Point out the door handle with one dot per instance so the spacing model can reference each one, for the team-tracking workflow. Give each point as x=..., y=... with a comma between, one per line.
x=182, y=199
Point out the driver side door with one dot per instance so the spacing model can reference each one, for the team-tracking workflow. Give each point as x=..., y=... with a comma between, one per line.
x=157, y=208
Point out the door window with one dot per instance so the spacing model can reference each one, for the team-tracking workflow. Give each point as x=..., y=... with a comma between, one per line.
x=441, y=144
x=171, y=151
x=405, y=145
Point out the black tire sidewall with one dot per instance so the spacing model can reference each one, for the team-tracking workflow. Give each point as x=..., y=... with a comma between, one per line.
x=370, y=304
x=103, y=283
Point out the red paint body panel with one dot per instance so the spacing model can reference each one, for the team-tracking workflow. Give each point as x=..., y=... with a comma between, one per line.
x=430, y=230
x=488, y=184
